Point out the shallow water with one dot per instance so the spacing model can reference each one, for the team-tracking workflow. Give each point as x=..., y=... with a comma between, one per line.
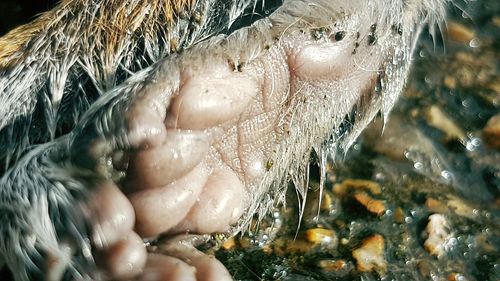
x=438, y=155
x=434, y=157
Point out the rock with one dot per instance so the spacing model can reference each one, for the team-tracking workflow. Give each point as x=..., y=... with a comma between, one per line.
x=321, y=236
x=435, y=206
x=374, y=206
x=450, y=82
x=343, y=188
x=491, y=132
x=229, y=244
x=438, y=235
x=333, y=265
x=440, y=120
x=456, y=277
x=494, y=86
x=460, y=33
x=327, y=204
x=399, y=215
x=496, y=21
x=460, y=207
x=370, y=256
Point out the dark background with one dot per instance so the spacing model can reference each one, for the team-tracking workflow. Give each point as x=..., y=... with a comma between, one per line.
x=17, y=12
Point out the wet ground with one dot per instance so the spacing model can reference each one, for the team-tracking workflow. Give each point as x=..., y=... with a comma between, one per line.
x=419, y=202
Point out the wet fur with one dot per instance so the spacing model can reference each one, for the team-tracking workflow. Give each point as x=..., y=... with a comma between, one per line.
x=64, y=74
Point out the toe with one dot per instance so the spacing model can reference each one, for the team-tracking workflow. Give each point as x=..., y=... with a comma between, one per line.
x=126, y=258
x=158, y=210
x=179, y=154
x=208, y=268
x=113, y=213
x=208, y=101
x=220, y=204
x=165, y=268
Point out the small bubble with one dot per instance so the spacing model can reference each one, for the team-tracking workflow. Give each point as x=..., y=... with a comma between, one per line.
x=422, y=54
x=418, y=165
x=447, y=175
x=473, y=144
x=467, y=103
x=379, y=176
x=474, y=43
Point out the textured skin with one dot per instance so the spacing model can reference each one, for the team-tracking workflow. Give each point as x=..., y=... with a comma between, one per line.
x=68, y=78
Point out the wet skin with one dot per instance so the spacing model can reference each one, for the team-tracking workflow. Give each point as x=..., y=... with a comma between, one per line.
x=207, y=135
x=209, y=143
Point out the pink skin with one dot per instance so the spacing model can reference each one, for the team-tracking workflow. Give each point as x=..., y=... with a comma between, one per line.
x=162, y=267
x=204, y=150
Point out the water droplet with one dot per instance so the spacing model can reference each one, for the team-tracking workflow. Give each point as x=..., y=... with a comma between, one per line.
x=473, y=144
x=474, y=43
x=379, y=176
x=466, y=103
x=447, y=175
x=418, y=165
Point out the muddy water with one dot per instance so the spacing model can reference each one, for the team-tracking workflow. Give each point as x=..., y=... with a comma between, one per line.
x=420, y=201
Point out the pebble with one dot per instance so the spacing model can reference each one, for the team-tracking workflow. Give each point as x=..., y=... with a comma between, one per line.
x=459, y=33
x=435, y=206
x=334, y=265
x=370, y=256
x=321, y=236
x=450, y=82
x=327, y=204
x=399, y=215
x=437, y=118
x=460, y=207
x=438, y=235
x=374, y=206
x=229, y=244
x=456, y=277
x=491, y=132
x=343, y=188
